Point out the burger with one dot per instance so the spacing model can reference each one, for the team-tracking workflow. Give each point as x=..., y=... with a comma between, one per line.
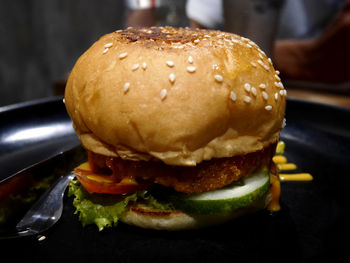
x=180, y=126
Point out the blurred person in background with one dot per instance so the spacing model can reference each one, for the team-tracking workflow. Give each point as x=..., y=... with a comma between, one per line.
x=313, y=37
x=147, y=13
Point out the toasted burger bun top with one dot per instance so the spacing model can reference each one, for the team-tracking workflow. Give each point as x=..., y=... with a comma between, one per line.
x=177, y=95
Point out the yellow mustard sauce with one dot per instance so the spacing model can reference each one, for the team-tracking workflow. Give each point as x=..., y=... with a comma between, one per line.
x=282, y=164
x=296, y=177
x=275, y=190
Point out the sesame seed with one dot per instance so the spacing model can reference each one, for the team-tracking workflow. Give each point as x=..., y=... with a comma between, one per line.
x=247, y=99
x=268, y=107
x=215, y=66
x=254, y=91
x=248, y=45
x=218, y=78
x=126, y=87
x=105, y=50
x=144, y=65
x=253, y=64
x=284, y=123
x=163, y=94
x=196, y=41
x=41, y=238
x=135, y=67
x=276, y=96
x=260, y=62
x=172, y=77
x=247, y=87
x=263, y=64
x=281, y=92
x=233, y=96
x=170, y=63
x=262, y=52
x=265, y=95
x=277, y=77
x=277, y=72
x=251, y=42
x=262, y=86
x=109, y=45
x=285, y=92
x=123, y=55
x=279, y=85
x=191, y=69
x=261, y=56
x=190, y=59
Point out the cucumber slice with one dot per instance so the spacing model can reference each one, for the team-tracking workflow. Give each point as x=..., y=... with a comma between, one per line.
x=226, y=199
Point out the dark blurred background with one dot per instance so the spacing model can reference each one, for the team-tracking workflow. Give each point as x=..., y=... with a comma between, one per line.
x=41, y=40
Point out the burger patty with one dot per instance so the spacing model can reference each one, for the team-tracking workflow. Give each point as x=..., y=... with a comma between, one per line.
x=206, y=176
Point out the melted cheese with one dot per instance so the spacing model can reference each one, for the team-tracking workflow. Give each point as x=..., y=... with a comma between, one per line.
x=86, y=170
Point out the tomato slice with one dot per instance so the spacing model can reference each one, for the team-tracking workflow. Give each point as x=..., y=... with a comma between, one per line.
x=98, y=183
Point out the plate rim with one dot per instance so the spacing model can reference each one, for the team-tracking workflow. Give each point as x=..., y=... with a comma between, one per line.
x=29, y=103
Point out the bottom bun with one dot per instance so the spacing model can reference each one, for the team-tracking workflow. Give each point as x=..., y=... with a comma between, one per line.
x=150, y=218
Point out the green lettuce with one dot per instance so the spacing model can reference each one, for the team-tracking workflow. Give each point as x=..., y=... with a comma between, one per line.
x=105, y=210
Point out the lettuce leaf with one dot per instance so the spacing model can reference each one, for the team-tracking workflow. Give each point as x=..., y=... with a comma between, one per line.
x=105, y=210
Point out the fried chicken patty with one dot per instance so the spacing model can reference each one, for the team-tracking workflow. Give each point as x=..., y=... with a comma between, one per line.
x=206, y=176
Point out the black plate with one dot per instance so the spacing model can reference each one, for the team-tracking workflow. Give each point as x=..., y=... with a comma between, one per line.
x=313, y=223
x=33, y=131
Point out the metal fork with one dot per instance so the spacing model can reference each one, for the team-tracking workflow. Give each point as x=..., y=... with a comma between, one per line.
x=45, y=212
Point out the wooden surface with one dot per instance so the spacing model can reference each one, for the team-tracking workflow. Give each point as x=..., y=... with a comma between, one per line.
x=319, y=96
